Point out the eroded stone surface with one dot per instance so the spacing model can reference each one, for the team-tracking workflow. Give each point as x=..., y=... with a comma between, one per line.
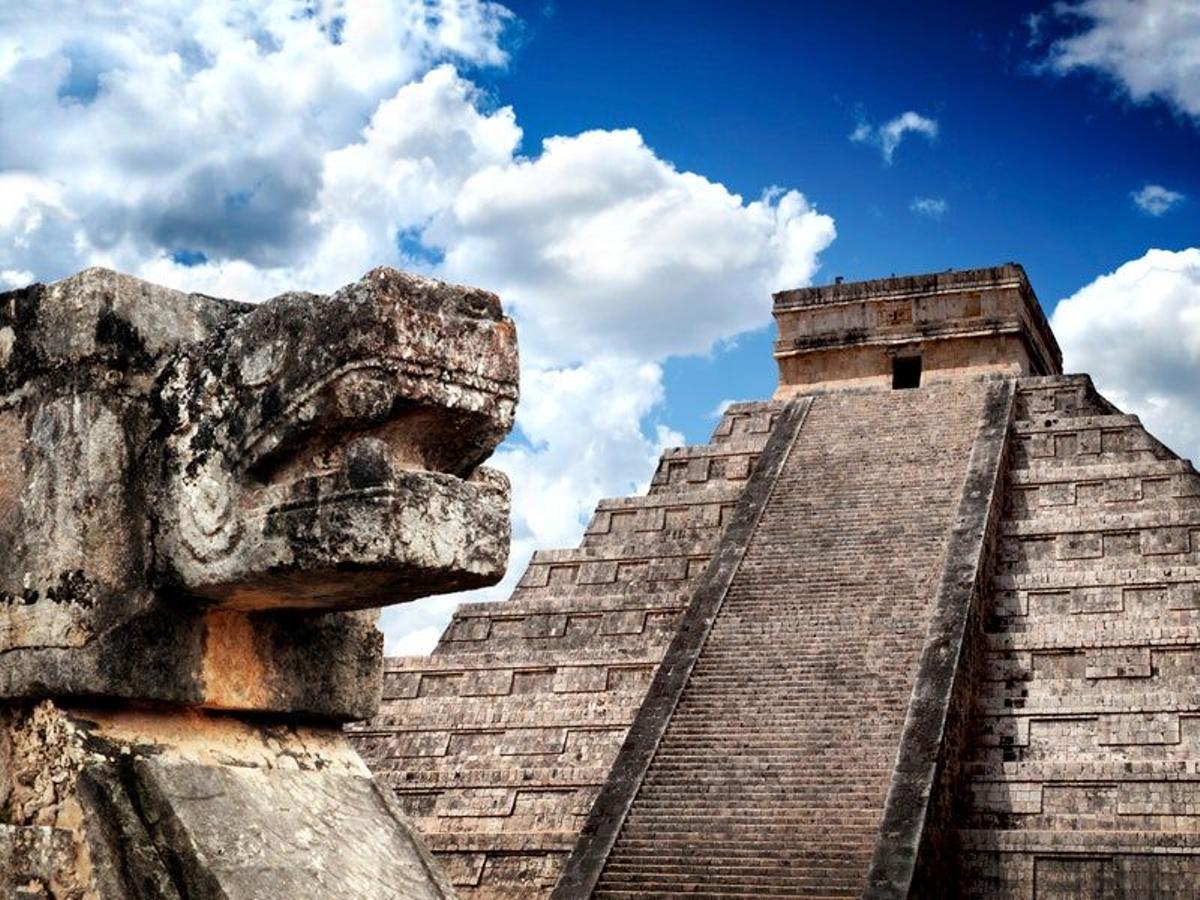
x=320, y=449
x=164, y=454
x=348, y=843
x=202, y=503
x=127, y=803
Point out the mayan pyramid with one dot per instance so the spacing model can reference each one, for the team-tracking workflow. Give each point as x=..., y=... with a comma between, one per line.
x=927, y=621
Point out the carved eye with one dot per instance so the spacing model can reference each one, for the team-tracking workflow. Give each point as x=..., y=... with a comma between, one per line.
x=261, y=364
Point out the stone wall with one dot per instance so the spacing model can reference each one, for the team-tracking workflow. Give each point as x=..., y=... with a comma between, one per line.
x=499, y=742
x=1084, y=771
x=960, y=323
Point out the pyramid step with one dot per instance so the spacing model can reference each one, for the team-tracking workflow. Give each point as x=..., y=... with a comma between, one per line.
x=661, y=595
x=1041, y=474
x=630, y=562
x=520, y=660
x=646, y=631
x=1060, y=424
x=1138, y=573
x=409, y=775
x=743, y=420
x=1100, y=634
x=1178, y=513
x=1065, y=395
x=661, y=517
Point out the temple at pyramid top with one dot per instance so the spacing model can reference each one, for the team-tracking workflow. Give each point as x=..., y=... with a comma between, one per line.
x=912, y=330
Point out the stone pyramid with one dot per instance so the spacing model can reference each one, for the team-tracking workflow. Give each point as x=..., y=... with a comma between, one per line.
x=927, y=621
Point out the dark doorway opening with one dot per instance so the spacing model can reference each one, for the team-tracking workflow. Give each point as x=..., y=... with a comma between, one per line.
x=906, y=372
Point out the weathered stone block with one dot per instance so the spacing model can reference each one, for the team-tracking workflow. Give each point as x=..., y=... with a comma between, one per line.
x=192, y=489
x=121, y=804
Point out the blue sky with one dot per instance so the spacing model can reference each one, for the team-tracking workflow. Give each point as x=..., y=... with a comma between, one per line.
x=1033, y=166
x=632, y=179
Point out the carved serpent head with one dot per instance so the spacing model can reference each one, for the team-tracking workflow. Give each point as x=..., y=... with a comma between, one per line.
x=166, y=456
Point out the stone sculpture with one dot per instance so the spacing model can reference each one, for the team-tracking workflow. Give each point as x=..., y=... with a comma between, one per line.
x=201, y=504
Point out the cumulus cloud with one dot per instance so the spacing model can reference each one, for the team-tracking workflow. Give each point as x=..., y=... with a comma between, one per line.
x=1137, y=331
x=933, y=207
x=598, y=233
x=1154, y=199
x=203, y=127
x=377, y=193
x=887, y=137
x=1149, y=48
x=244, y=149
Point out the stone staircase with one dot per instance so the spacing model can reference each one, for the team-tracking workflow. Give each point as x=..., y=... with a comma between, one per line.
x=778, y=757
x=498, y=743
x=771, y=775
x=1083, y=772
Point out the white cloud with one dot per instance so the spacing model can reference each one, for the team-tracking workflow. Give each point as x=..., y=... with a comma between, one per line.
x=1137, y=332
x=1154, y=199
x=933, y=207
x=412, y=641
x=204, y=127
x=887, y=137
x=1150, y=48
x=283, y=150
x=1035, y=22
x=405, y=167
x=598, y=233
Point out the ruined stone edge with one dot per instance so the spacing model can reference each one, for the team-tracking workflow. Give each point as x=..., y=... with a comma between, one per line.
x=438, y=879
x=607, y=816
x=942, y=676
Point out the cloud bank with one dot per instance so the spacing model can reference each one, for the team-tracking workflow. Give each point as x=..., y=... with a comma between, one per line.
x=244, y=149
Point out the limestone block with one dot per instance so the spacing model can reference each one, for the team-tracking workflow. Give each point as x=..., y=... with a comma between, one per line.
x=38, y=863
x=421, y=743
x=1089, y=442
x=1118, y=662
x=110, y=804
x=478, y=802
x=1184, y=596
x=1139, y=728
x=546, y=626
x=342, y=838
x=1092, y=601
x=1159, y=541
x=1060, y=493
x=1087, y=545
x=487, y=683
x=581, y=679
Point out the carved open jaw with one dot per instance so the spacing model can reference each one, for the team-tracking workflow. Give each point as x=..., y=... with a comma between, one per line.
x=369, y=516
x=355, y=484
x=381, y=501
